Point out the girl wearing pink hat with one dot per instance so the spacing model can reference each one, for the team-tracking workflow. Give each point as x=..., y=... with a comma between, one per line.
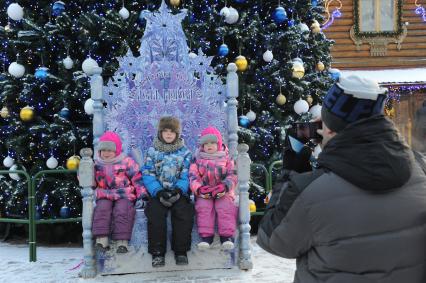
x=213, y=180
x=118, y=185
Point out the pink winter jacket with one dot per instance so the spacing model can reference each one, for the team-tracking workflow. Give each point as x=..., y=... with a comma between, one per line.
x=212, y=172
x=119, y=179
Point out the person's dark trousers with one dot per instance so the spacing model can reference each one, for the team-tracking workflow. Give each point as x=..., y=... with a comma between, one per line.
x=182, y=214
x=113, y=217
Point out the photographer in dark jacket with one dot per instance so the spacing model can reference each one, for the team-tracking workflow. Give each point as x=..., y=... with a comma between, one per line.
x=360, y=217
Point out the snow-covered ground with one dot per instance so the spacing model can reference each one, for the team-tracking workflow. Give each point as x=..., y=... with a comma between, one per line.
x=59, y=265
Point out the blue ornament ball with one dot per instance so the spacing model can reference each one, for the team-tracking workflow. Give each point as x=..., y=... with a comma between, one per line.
x=244, y=121
x=65, y=113
x=314, y=3
x=290, y=23
x=41, y=73
x=65, y=212
x=57, y=8
x=223, y=50
x=279, y=15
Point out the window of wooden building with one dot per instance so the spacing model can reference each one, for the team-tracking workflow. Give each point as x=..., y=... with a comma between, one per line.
x=378, y=15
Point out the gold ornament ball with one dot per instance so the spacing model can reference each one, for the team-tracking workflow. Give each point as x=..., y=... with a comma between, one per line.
x=315, y=27
x=175, y=2
x=7, y=28
x=73, y=162
x=26, y=114
x=281, y=99
x=309, y=99
x=298, y=71
x=320, y=66
x=4, y=113
x=241, y=63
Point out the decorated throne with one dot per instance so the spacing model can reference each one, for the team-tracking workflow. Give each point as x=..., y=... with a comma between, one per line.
x=164, y=80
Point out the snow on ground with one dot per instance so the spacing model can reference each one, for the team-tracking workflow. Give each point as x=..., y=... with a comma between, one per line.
x=56, y=265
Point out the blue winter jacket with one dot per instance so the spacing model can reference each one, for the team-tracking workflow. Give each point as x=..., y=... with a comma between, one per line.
x=166, y=170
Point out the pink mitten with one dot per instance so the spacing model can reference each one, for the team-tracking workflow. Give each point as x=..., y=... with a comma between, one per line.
x=219, y=191
x=205, y=192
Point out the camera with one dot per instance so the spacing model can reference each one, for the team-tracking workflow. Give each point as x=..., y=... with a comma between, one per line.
x=305, y=131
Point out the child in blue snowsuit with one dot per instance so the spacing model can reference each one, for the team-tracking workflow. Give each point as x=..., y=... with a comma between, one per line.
x=165, y=176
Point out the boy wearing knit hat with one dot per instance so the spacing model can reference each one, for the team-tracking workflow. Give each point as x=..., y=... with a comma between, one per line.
x=118, y=185
x=347, y=220
x=165, y=175
x=213, y=180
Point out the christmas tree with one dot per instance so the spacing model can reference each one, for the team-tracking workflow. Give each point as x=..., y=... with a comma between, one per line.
x=282, y=57
x=48, y=51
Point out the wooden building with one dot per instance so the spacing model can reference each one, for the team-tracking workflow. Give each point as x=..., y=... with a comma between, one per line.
x=384, y=40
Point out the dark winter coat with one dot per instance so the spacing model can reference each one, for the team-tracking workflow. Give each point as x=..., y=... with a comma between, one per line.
x=361, y=218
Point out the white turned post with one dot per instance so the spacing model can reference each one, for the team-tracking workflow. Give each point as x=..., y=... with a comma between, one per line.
x=86, y=177
x=232, y=94
x=96, y=84
x=243, y=170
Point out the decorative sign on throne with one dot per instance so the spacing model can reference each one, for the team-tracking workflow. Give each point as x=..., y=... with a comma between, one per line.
x=164, y=81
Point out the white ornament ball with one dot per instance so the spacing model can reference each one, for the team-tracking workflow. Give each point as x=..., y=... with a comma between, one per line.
x=304, y=29
x=233, y=16
x=301, y=106
x=17, y=70
x=52, y=163
x=251, y=116
x=8, y=162
x=268, y=56
x=88, y=106
x=88, y=66
x=15, y=12
x=14, y=176
x=224, y=12
x=68, y=63
x=315, y=111
x=192, y=55
x=124, y=13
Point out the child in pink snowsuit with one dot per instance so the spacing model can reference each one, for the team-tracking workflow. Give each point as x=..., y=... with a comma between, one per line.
x=118, y=185
x=213, y=180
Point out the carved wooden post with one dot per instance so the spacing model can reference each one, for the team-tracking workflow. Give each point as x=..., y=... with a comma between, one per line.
x=232, y=94
x=96, y=84
x=243, y=170
x=86, y=176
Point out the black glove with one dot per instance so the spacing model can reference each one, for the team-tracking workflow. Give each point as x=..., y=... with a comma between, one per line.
x=169, y=197
x=298, y=162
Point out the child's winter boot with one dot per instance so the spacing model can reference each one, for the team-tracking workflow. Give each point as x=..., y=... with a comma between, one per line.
x=102, y=244
x=205, y=243
x=158, y=261
x=227, y=243
x=181, y=258
x=122, y=246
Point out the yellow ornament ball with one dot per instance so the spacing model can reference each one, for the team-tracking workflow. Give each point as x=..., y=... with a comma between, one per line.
x=315, y=27
x=4, y=112
x=252, y=206
x=320, y=66
x=241, y=63
x=175, y=2
x=298, y=70
x=281, y=99
x=73, y=162
x=309, y=99
x=26, y=114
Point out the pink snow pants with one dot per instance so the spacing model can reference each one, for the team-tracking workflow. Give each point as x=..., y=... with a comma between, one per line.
x=226, y=212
